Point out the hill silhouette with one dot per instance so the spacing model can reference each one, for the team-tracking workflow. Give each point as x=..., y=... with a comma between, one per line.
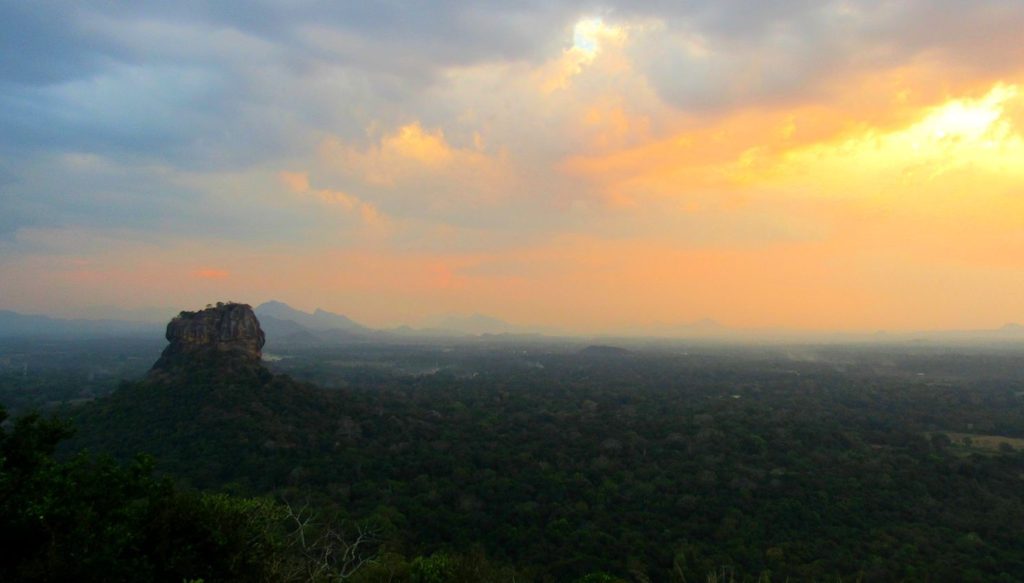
x=209, y=409
x=319, y=320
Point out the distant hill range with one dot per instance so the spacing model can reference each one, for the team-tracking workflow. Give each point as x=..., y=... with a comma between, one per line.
x=1012, y=329
x=13, y=324
x=286, y=325
x=318, y=320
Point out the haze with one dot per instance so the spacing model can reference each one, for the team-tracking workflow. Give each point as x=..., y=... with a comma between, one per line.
x=583, y=166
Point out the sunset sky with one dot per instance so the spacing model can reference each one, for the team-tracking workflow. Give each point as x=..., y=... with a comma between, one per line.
x=585, y=166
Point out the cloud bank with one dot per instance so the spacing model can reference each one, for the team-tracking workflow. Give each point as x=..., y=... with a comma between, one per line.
x=587, y=165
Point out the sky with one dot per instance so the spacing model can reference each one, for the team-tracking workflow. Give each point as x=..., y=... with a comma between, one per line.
x=585, y=166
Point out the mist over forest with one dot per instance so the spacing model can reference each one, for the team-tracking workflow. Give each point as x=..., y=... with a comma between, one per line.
x=501, y=457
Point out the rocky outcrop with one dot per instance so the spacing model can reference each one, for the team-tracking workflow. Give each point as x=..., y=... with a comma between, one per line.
x=229, y=334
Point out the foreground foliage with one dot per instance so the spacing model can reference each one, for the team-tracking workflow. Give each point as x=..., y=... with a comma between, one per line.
x=91, y=519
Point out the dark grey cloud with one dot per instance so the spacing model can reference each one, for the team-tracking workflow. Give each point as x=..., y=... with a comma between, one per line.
x=196, y=83
x=148, y=203
x=89, y=192
x=51, y=42
x=189, y=81
x=40, y=43
x=765, y=52
x=47, y=41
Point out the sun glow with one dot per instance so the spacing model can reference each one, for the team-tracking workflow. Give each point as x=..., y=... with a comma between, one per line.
x=963, y=142
x=968, y=120
x=588, y=34
x=590, y=39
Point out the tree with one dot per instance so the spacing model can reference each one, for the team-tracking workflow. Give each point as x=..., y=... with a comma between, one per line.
x=91, y=519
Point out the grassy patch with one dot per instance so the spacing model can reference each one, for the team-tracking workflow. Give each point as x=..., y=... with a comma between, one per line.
x=983, y=442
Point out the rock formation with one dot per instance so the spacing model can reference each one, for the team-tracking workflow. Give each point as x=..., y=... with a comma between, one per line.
x=226, y=334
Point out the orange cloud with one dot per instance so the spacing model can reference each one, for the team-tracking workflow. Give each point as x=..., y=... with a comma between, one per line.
x=413, y=143
x=713, y=158
x=210, y=273
x=411, y=155
x=298, y=183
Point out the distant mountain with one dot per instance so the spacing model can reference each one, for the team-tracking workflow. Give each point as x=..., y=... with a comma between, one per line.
x=318, y=320
x=1012, y=328
x=285, y=326
x=278, y=328
x=14, y=324
x=281, y=333
x=278, y=310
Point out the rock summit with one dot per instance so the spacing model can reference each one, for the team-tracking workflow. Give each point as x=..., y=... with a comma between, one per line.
x=227, y=333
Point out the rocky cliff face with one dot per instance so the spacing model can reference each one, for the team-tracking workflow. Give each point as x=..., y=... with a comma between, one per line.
x=226, y=333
